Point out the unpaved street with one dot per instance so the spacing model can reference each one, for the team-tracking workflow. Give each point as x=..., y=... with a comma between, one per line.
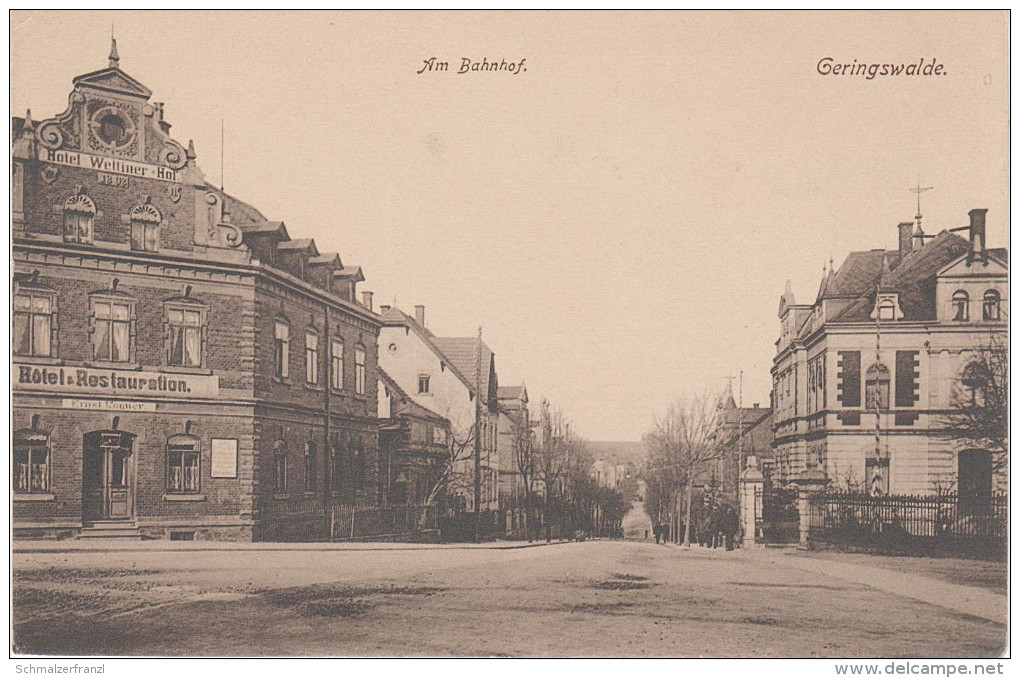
x=601, y=598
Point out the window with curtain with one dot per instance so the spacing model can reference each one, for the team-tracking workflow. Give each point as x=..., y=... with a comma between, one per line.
x=961, y=306
x=185, y=327
x=311, y=357
x=79, y=215
x=990, y=308
x=30, y=457
x=145, y=221
x=111, y=336
x=33, y=322
x=183, y=464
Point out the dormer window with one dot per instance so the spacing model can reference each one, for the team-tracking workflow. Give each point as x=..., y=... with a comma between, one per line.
x=887, y=307
x=79, y=215
x=886, y=310
x=961, y=306
x=145, y=221
x=990, y=308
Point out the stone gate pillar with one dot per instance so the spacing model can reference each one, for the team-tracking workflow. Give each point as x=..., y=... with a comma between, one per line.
x=752, y=483
x=808, y=483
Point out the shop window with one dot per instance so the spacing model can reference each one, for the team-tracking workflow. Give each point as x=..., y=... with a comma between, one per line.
x=183, y=464
x=30, y=469
x=79, y=215
x=34, y=312
x=145, y=221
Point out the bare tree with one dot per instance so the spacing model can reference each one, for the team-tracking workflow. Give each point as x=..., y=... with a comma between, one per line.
x=979, y=404
x=523, y=443
x=552, y=456
x=447, y=474
x=685, y=437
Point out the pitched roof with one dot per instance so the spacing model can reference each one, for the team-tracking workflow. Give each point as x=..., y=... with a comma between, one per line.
x=394, y=317
x=300, y=244
x=914, y=279
x=858, y=274
x=510, y=392
x=463, y=353
x=407, y=404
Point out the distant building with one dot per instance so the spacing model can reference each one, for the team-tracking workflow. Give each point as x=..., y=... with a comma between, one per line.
x=444, y=375
x=182, y=368
x=864, y=374
x=743, y=432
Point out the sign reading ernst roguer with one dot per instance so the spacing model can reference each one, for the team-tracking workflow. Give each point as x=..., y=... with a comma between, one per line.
x=115, y=165
x=113, y=382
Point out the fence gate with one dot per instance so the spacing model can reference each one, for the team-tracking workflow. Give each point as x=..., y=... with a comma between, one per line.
x=780, y=516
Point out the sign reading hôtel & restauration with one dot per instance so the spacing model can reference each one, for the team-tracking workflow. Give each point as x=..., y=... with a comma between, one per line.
x=114, y=165
x=99, y=381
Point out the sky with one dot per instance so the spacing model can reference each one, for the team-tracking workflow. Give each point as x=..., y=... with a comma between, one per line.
x=621, y=215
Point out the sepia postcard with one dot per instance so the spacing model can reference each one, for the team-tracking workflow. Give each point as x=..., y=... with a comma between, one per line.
x=552, y=334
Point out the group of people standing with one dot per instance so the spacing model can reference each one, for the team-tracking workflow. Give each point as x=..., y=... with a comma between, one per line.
x=714, y=527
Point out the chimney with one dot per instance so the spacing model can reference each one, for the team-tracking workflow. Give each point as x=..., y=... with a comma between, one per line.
x=906, y=238
x=977, y=236
x=366, y=300
x=419, y=315
x=757, y=406
x=384, y=309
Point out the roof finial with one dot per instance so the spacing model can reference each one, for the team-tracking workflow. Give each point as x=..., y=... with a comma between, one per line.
x=114, y=58
x=919, y=190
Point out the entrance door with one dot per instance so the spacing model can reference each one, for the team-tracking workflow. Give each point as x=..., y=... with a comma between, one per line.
x=975, y=482
x=106, y=476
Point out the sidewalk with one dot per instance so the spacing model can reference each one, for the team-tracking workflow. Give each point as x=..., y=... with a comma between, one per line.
x=127, y=545
x=970, y=600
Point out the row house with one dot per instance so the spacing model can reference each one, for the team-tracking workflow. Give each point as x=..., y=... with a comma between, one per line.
x=454, y=379
x=182, y=368
x=864, y=376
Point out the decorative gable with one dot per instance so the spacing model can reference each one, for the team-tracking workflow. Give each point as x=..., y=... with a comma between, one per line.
x=113, y=80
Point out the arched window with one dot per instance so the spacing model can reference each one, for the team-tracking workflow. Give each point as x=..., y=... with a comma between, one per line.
x=145, y=221
x=975, y=379
x=79, y=214
x=990, y=308
x=279, y=466
x=30, y=468
x=961, y=306
x=877, y=387
x=183, y=464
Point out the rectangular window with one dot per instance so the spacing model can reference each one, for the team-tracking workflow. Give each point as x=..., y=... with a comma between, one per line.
x=29, y=470
x=311, y=358
x=359, y=370
x=33, y=324
x=185, y=326
x=337, y=359
x=336, y=472
x=423, y=383
x=182, y=475
x=281, y=353
x=111, y=338
x=144, y=236
x=848, y=388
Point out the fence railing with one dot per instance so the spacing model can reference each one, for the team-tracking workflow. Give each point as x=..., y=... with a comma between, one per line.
x=351, y=521
x=911, y=521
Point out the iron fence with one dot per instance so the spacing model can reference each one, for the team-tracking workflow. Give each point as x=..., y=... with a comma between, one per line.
x=352, y=521
x=910, y=522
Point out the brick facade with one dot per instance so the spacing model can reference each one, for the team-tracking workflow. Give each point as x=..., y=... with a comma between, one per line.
x=116, y=416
